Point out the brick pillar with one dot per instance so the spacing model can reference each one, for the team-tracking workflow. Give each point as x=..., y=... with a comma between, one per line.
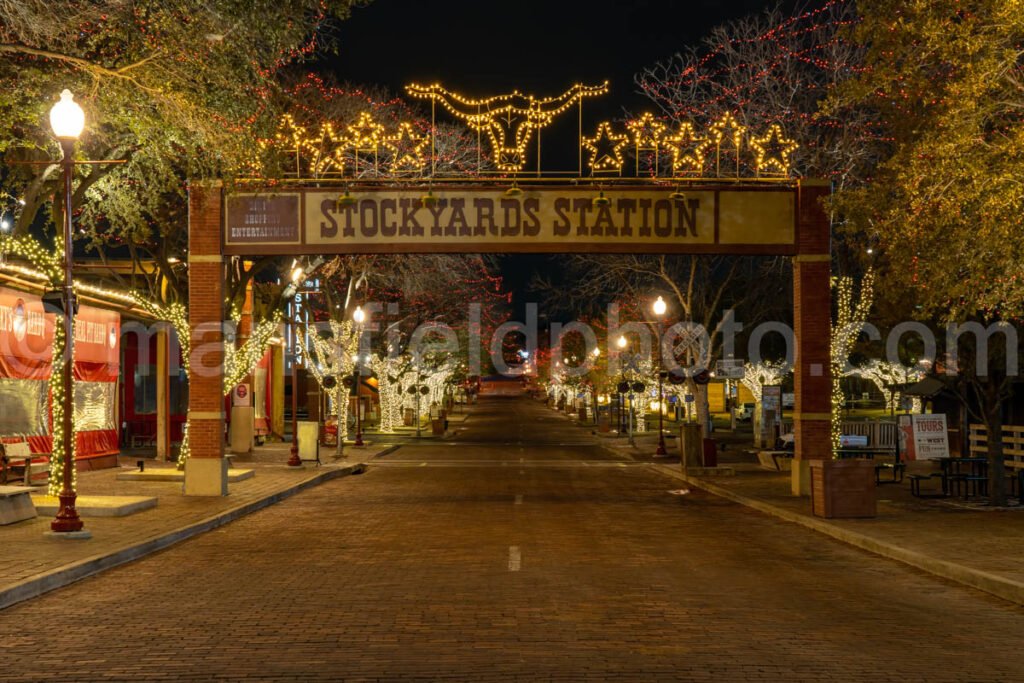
x=206, y=469
x=812, y=317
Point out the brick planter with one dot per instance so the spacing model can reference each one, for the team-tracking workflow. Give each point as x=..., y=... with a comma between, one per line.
x=843, y=488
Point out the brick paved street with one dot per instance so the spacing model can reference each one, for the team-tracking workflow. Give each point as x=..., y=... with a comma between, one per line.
x=503, y=558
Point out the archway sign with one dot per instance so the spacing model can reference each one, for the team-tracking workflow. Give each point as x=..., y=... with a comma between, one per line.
x=648, y=186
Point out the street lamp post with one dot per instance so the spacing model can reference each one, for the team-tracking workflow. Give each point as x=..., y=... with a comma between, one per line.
x=295, y=460
x=67, y=120
x=659, y=311
x=358, y=316
x=623, y=343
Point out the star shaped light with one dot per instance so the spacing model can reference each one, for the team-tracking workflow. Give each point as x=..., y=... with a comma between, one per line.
x=365, y=133
x=647, y=131
x=327, y=151
x=728, y=130
x=688, y=150
x=773, y=151
x=407, y=147
x=605, y=149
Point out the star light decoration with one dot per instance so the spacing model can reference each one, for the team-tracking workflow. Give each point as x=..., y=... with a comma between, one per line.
x=605, y=149
x=688, y=150
x=407, y=148
x=365, y=134
x=509, y=120
x=648, y=132
x=772, y=152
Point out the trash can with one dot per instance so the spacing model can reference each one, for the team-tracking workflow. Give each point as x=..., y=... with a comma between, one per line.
x=438, y=426
x=409, y=417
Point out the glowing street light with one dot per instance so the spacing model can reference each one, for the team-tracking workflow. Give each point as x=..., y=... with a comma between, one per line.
x=67, y=120
x=358, y=316
x=622, y=342
x=659, y=310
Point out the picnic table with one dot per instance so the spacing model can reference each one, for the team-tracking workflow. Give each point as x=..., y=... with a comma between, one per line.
x=869, y=453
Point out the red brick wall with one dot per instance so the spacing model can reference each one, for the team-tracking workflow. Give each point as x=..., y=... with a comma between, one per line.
x=205, y=316
x=812, y=315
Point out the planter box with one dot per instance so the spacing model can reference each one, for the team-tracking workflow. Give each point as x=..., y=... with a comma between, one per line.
x=843, y=488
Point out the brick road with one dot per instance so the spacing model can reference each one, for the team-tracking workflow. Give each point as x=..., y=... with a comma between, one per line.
x=512, y=561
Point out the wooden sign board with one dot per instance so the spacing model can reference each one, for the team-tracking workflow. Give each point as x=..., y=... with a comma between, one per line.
x=548, y=219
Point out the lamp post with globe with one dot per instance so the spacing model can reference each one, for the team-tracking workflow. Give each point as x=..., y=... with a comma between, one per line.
x=358, y=316
x=659, y=310
x=67, y=120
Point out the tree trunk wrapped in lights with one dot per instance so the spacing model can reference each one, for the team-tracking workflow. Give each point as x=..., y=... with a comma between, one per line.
x=389, y=371
x=333, y=357
x=850, y=318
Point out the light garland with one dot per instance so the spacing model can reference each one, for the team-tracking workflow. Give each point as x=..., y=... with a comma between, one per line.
x=509, y=120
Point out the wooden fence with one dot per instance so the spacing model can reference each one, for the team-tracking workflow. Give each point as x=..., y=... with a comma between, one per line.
x=880, y=434
x=1013, y=444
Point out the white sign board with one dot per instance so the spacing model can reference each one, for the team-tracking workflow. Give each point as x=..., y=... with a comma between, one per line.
x=931, y=439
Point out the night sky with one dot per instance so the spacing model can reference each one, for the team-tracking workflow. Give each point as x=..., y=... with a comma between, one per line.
x=480, y=48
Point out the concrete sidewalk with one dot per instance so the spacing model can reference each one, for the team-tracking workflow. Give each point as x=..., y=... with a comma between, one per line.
x=32, y=563
x=957, y=540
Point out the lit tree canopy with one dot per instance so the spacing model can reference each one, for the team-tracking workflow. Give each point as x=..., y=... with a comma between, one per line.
x=178, y=88
x=943, y=208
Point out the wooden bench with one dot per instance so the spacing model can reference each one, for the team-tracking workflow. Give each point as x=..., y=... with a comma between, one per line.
x=15, y=453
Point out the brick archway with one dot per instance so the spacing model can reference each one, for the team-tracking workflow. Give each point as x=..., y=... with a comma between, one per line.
x=733, y=220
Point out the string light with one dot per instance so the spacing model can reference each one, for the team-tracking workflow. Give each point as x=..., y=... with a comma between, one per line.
x=508, y=120
x=605, y=149
x=688, y=150
x=648, y=132
x=408, y=149
x=849, y=322
x=773, y=151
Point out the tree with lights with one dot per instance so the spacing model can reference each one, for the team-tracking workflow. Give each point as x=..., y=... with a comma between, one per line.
x=758, y=375
x=770, y=69
x=851, y=314
x=698, y=289
x=943, y=207
x=887, y=375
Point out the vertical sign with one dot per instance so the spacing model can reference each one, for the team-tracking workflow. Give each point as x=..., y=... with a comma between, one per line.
x=931, y=439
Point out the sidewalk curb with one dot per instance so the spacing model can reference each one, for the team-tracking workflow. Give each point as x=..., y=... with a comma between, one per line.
x=1001, y=587
x=63, y=576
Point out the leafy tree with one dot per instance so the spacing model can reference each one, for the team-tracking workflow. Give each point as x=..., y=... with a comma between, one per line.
x=178, y=88
x=942, y=209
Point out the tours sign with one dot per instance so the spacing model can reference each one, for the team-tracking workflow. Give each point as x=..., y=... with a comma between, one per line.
x=546, y=219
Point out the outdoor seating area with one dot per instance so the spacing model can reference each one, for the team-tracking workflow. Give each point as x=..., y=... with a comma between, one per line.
x=18, y=462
